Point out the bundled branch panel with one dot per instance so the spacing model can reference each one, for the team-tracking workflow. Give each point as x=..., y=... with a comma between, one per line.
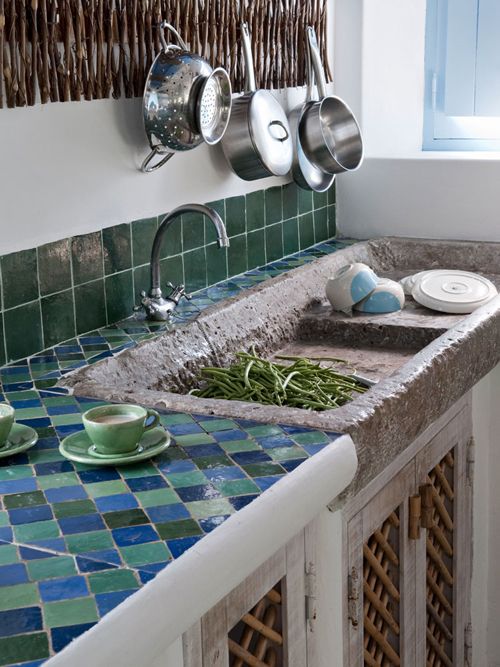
x=71, y=50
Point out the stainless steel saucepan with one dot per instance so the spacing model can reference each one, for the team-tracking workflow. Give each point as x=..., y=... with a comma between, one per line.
x=329, y=132
x=186, y=102
x=306, y=174
x=257, y=142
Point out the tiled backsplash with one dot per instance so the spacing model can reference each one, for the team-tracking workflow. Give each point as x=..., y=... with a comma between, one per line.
x=61, y=289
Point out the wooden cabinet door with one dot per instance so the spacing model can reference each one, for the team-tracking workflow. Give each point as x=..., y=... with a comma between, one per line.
x=381, y=588
x=444, y=548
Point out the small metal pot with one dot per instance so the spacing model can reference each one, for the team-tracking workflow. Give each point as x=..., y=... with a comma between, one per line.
x=257, y=142
x=329, y=132
x=185, y=102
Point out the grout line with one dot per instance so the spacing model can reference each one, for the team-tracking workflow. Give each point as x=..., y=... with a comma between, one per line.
x=104, y=279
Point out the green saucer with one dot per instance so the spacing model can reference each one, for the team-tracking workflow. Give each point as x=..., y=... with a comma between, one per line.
x=20, y=438
x=78, y=447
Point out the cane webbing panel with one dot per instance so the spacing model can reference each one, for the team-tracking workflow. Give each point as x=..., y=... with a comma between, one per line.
x=381, y=595
x=257, y=640
x=439, y=542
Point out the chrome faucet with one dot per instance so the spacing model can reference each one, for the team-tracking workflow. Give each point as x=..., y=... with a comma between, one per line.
x=155, y=306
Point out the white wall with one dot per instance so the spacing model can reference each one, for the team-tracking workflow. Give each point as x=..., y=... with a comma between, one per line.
x=399, y=189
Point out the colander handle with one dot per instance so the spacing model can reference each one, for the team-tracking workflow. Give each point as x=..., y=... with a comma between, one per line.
x=167, y=26
x=250, y=85
x=146, y=168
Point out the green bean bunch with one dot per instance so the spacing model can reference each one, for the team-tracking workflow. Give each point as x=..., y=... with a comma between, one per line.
x=301, y=384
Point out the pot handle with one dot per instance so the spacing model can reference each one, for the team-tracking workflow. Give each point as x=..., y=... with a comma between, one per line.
x=250, y=85
x=278, y=123
x=167, y=26
x=147, y=169
x=316, y=62
x=309, y=74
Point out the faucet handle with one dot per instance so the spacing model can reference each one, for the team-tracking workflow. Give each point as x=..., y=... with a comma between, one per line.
x=178, y=291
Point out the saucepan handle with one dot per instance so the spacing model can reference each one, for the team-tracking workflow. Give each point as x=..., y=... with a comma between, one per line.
x=272, y=132
x=147, y=168
x=316, y=62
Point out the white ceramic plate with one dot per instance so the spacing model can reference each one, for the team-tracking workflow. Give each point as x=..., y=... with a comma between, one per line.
x=453, y=291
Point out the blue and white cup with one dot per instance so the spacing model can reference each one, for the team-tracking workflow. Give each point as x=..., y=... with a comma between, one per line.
x=350, y=285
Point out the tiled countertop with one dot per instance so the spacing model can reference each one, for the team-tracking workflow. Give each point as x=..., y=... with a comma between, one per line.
x=76, y=540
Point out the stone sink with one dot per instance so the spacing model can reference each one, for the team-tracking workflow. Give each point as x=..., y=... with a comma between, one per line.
x=421, y=361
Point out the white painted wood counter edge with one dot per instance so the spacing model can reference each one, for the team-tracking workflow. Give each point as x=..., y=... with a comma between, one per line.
x=142, y=627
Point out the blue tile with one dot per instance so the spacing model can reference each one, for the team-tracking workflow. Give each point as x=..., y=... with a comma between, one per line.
x=291, y=465
x=29, y=403
x=294, y=429
x=48, y=443
x=86, y=565
x=53, y=467
x=265, y=482
x=40, y=422
x=18, y=369
x=63, y=431
x=198, y=492
x=203, y=450
x=156, y=567
x=65, y=493
x=81, y=524
x=63, y=410
x=179, y=546
x=34, y=663
x=212, y=522
x=6, y=534
x=239, y=502
x=109, y=556
x=146, y=483
x=30, y=514
x=92, y=340
x=20, y=621
x=230, y=434
x=185, y=429
x=125, y=537
x=145, y=576
x=314, y=449
x=177, y=466
x=244, y=458
x=121, y=501
x=108, y=601
x=164, y=513
x=18, y=485
x=20, y=386
x=275, y=441
x=61, y=637
x=54, y=544
x=223, y=473
x=98, y=475
x=27, y=553
x=64, y=588
x=13, y=574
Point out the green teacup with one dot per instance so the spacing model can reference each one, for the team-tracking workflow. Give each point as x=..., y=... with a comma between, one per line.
x=117, y=429
x=6, y=421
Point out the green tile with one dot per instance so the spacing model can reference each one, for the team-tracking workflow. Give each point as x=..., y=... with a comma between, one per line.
x=287, y=453
x=274, y=242
x=218, y=425
x=264, y=431
x=15, y=472
x=210, y=231
x=255, y=210
x=290, y=236
x=99, y=489
x=58, y=318
x=321, y=225
x=274, y=205
x=40, y=530
x=44, y=455
x=19, y=277
x=237, y=487
x=256, y=250
x=87, y=257
x=237, y=255
x=122, y=518
x=143, y=554
x=212, y=461
x=191, y=478
x=235, y=215
x=320, y=199
x=54, y=266
x=263, y=469
x=311, y=438
x=216, y=263
x=8, y=554
x=143, y=233
x=70, y=612
x=239, y=446
x=56, y=401
x=176, y=419
x=306, y=230
x=142, y=281
x=290, y=201
x=56, y=480
x=3, y=357
x=138, y=470
x=94, y=541
x=119, y=296
x=16, y=597
x=22, y=648
x=4, y=518
x=66, y=420
x=157, y=497
x=202, y=509
x=112, y=580
x=332, y=193
x=117, y=247
x=172, y=241
x=23, y=331
x=332, y=226
x=194, y=439
x=172, y=270
x=195, y=270
x=90, y=306
x=305, y=201
x=193, y=231
x=51, y=568
x=175, y=529
x=30, y=413
x=73, y=508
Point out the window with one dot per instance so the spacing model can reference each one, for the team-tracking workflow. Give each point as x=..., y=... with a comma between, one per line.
x=462, y=75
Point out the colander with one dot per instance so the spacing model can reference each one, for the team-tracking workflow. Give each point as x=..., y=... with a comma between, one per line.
x=185, y=103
